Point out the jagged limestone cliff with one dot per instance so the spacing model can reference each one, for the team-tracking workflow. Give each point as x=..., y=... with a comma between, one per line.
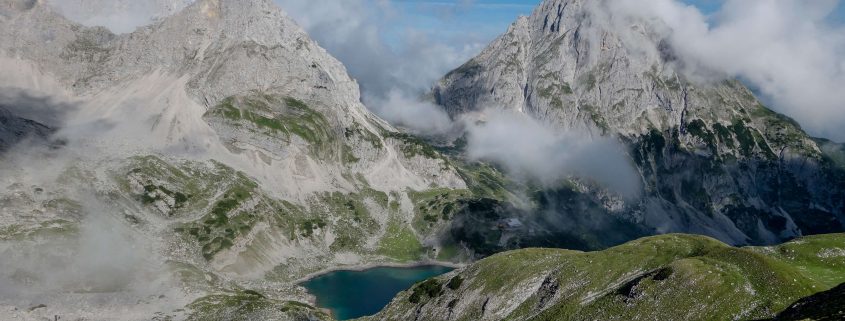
x=713, y=160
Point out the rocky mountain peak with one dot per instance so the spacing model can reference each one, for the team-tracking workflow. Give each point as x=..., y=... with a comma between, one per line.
x=576, y=43
x=263, y=131
x=210, y=51
x=226, y=47
x=708, y=150
x=261, y=21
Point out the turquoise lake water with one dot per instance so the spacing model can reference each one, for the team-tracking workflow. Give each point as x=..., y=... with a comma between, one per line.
x=352, y=294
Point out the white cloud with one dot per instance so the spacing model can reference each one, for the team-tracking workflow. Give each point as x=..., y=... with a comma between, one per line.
x=104, y=255
x=531, y=150
x=788, y=49
x=419, y=116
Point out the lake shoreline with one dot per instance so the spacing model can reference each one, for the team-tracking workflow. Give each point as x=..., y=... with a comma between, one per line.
x=312, y=298
x=369, y=266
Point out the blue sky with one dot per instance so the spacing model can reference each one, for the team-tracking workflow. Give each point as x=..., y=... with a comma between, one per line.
x=488, y=18
x=484, y=19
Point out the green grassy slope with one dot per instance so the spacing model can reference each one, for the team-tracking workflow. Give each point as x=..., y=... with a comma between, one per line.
x=668, y=277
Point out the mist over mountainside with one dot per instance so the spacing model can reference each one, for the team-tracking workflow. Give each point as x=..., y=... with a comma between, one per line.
x=712, y=158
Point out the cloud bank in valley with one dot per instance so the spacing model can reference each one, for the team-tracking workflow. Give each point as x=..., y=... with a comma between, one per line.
x=418, y=115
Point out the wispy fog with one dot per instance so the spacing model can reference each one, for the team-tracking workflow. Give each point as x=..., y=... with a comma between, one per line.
x=47, y=110
x=102, y=254
x=416, y=114
x=531, y=150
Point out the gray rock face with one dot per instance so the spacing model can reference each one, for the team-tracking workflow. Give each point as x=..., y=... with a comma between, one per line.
x=566, y=64
x=212, y=50
x=713, y=159
x=223, y=137
x=209, y=40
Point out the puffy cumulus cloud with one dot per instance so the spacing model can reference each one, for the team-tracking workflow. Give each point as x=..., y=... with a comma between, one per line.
x=789, y=50
x=528, y=149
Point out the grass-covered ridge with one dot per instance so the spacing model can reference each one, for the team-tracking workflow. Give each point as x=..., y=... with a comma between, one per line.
x=250, y=305
x=221, y=211
x=827, y=305
x=400, y=243
x=412, y=146
x=274, y=122
x=220, y=205
x=216, y=208
x=668, y=277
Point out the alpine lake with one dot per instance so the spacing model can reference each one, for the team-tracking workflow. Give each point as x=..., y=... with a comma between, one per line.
x=353, y=294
